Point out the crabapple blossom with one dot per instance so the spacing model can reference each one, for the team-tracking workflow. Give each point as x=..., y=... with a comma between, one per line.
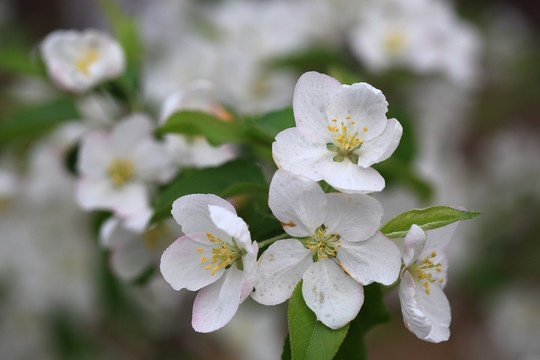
x=195, y=151
x=79, y=60
x=339, y=249
x=341, y=130
x=216, y=256
x=117, y=169
x=425, y=308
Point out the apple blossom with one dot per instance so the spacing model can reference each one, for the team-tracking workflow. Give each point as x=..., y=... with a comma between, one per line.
x=78, y=60
x=340, y=132
x=216, y=256
x=117, y=169
x=339, y=250
x=425, y=308
x=195, y=151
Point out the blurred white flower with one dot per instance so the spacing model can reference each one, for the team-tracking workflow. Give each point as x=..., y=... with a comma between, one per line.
x=117, y=169
x=341, y=250
x=133, y=252
x=195, y=151
x=423, y=35
x=341, y=130
x=216, y=256
x=79, y=60
x=425, y=308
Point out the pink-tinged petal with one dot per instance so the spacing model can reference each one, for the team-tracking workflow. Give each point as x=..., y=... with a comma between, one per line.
x=250, y=268
x=298, y=202
x=312, y=95
x=231, y=224
x=216, y=304
x=413, y=317
x=351, y=178
x=366, y=107
x=280, y=268
x=95, y=156
x=436, y=308
x=152, y=163
x=374, y=260
x=129, y=133
x=381, y=147
x=331, y=294
x=415, y=240
x=355, y=217
x=191, y=212
x=182, y=266
x=302, y=152
x=131, y=259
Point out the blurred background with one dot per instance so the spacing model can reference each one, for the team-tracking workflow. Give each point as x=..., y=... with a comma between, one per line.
x=462, y=77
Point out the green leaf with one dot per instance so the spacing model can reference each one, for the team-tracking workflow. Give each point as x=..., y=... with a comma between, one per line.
x=428, y=218
x=233, y=178
x=373, y=312
x=274, y=122
x=199, y=123
x=36, y=119
x=18, y=59
x=125, y=30
x=286, y=354
x=311, y=339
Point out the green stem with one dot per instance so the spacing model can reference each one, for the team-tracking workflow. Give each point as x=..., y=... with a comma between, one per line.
x=273, y=240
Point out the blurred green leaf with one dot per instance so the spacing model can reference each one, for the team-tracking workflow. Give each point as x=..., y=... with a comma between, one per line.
x=274, y=122
x=214, y=129
x=286, y=354
x=428, y=218
x=125, y=30
x=36, y=119
x=373, y=312
x=233, y=178
x=310, y=339
x=18, y=59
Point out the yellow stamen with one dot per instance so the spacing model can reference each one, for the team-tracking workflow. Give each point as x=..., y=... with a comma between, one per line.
x=203, y=259
x=90, y=57
x=121, y=171
x=199, y=250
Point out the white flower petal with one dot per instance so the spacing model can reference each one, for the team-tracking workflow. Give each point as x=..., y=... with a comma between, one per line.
x=125, y=201
x=437, y=239
x=181, y=264
x=250, y=268
x=129, y=133
x=331, y=294
x=95, y=156
x=351, y=178
x=381, y=147
x=191, y=212
x=280, y=268
x=374, y=260
x=415, y=241
x=364, y=104
x=152, y=162
x=299, y=203
x=216, y=304
x=436, y=308
x=130, y=259
x=302, y=152
x=231, y=224
x=312, y=95
x=354, y=216
x=414, y=318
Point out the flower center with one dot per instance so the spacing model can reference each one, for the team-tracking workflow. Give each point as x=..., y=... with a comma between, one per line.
x=89, y=57
x=394, y=42
x=224, y=255
x=322, y=244
x=345, y=143
x=157, y=236
x=427, y=272
x=121, y=171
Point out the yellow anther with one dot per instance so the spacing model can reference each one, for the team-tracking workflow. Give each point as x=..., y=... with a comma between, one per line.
x=334, y=120
x=199, y=250
x=121, y=171
x=353, y=122
x=365, y=129
x=214, y=269
x=348, y=117
x=207, y=267
x=433, y=254
x=211, y=237
x=213, y=261
x=89, y=57
x=203, y=259
x=438, y=269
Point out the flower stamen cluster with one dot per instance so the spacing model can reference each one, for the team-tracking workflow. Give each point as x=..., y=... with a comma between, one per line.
x=121, y=171
x=85, y=61
x=224, y=256
x=423, y=271
x=323, y=245
x=344, y=143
